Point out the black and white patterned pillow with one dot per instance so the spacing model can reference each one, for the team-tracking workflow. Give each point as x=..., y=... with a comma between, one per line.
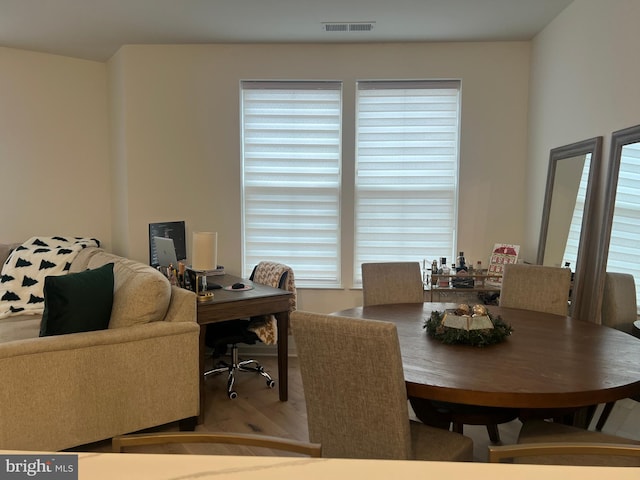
x=23, y=273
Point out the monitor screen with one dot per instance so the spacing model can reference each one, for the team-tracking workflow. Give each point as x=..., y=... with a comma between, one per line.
x=173, y=230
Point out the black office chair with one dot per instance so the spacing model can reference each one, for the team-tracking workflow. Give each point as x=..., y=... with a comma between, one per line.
x=221, y=335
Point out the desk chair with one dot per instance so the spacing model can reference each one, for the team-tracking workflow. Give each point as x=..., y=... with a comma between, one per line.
x=548, y=443
x=619, y=311
x=391, y=282
x=220, y=335
x=536, y=287
x=249, y=440
x=356, y=403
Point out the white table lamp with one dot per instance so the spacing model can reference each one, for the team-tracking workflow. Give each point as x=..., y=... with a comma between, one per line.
x=205, y=259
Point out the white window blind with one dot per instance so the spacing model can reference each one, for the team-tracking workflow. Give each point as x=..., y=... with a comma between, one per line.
x=291, y=152
x=407, y=140
x=624, y=255
x=573, y=239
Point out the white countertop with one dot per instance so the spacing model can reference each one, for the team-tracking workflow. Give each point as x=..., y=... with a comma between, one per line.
x=109, y=466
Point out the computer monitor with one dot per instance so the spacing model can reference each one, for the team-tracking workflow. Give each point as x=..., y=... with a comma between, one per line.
x=173, y=230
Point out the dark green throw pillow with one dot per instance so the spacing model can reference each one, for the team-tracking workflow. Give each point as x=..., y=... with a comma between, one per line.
x=77, y=302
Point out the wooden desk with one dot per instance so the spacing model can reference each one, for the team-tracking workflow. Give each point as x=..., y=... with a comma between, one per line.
x=549, y=361
x=229, y=305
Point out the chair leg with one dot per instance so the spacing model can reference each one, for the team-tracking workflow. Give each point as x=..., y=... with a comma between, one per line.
x=230, y=382
x=188, y=424
x=494, y=434
x=604, y=415
x=242, y=366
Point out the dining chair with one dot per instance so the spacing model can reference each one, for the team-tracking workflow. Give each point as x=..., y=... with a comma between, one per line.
x=357, y=403
x=391, y=282
x=540, y=289
x=249, y=330
x=619, y=311
x=542, y=442
x=536, y=287
x=244, y=439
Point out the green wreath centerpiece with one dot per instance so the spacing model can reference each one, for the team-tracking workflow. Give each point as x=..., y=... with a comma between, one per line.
x=467, y=326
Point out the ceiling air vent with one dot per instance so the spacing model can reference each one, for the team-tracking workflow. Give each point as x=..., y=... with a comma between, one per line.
x=348, y=26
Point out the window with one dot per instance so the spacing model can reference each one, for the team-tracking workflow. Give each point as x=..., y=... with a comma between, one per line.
x=406, y=174
x=407, y=138
x=291, y=153
x=624, y=255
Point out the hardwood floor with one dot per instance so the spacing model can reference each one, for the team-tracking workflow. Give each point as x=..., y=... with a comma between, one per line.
x=258, y=410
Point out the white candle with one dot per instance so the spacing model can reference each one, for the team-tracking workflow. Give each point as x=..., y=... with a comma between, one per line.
x=205, y=251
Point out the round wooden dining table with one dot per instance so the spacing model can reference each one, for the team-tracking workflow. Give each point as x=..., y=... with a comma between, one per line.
x=548, y=361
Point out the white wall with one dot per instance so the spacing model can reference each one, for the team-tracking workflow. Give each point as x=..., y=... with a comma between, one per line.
x=178, y=135
x=174, y=122
x=584, y=83
x=54, y=151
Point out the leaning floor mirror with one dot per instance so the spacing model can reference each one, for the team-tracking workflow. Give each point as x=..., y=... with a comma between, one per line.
x=621, y=234
x=568, y=199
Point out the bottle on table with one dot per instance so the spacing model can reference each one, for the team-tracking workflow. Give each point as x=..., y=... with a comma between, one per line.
x=462, y=263
x=434, y=271
x=443, y=270
x=462, y=279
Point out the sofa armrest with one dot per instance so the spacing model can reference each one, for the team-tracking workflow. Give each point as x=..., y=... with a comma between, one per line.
x=182, y=307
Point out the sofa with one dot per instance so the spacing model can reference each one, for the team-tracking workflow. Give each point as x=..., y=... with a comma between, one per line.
x=65, y=390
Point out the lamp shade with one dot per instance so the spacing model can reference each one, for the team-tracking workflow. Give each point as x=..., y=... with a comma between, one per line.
x=205, y=251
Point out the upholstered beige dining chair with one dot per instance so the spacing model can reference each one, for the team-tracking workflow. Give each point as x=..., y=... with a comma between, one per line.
x=619, y=307
x=619, y=311
x=536, y=287
x=356, y=403
x=550, y=443
x=391, y=282
x=541, y=289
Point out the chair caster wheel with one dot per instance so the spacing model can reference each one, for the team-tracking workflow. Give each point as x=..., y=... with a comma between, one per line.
x=233, y=395
x=271, y=383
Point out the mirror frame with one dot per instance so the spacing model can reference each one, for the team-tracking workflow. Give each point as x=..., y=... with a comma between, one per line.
x=619, y=139
x=594, y=147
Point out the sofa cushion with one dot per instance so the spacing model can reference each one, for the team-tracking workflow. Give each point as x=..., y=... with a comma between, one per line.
x=78, y=302
x=19, y=327
x=141, y=293
x=81, y=262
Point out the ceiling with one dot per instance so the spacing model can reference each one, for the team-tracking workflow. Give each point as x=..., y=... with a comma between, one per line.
x=96, y=29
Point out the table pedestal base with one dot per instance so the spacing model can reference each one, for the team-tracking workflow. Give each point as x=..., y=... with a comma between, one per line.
x=443, y=415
